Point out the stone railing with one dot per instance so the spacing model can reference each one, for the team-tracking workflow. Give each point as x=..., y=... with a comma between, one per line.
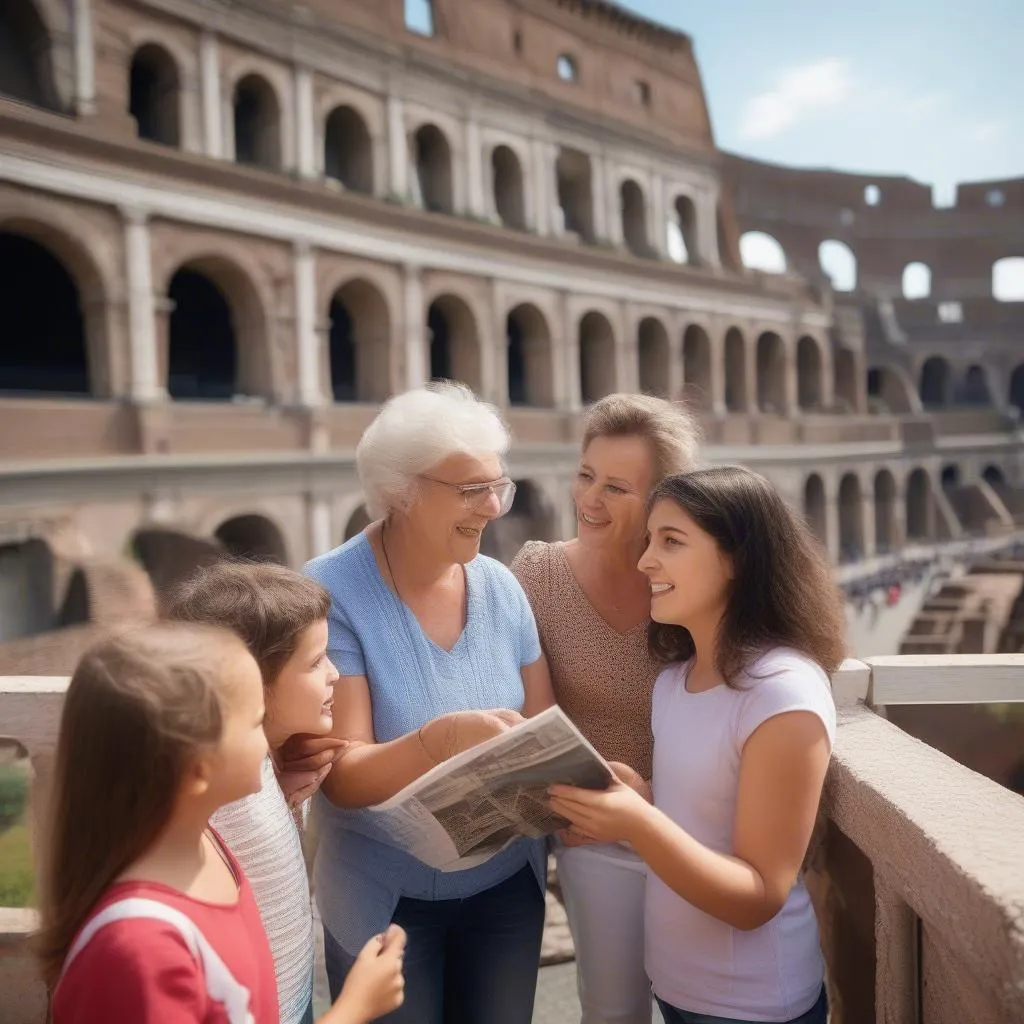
x=916, y=872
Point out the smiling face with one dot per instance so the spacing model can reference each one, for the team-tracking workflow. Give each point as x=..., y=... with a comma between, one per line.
x=613, y=480
x=690, y=576
x=301, y=696
x=448, y=521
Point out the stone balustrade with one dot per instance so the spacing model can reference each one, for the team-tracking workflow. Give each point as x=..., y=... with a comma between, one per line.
x=916, y=868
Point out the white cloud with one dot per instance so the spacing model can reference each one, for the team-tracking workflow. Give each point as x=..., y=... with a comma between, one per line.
x=800, y=93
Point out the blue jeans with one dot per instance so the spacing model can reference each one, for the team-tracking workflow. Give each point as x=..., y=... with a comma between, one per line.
x=817, y=1014
x=470, y=961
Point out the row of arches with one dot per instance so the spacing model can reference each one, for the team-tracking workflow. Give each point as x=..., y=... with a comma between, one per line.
x=216, y=337
x=892, y=390
x=896, y=520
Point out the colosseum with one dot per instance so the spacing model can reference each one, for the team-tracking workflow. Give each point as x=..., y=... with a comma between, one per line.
x=230, y=228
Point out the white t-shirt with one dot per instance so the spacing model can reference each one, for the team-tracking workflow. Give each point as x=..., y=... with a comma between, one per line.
x=696, y=962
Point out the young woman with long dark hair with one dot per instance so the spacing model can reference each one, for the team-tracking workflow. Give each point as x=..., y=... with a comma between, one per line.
x=749, y=624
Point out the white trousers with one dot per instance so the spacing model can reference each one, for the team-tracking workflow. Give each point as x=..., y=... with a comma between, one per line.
x=603, y=887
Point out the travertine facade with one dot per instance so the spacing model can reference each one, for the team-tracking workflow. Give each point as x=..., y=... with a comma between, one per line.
x=228, y=230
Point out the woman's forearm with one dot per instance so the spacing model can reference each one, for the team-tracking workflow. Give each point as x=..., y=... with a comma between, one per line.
x=723, y=886
x=369, y=773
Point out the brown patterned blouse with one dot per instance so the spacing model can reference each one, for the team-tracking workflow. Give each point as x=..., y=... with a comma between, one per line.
x=602, y=678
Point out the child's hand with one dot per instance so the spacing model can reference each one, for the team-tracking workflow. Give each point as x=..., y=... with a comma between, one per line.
x=633, y=779
x=303, y=763
x=374, y=985
x=608, y=816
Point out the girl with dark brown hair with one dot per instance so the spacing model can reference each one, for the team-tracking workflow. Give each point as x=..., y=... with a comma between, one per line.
x=748, y=621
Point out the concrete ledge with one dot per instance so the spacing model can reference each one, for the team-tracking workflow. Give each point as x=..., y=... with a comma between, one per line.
x=946, y=840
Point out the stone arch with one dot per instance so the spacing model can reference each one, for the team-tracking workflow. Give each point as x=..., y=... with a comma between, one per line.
x=509, y=188
x=1016, y=388
x=357, y=522
x=815, y=508
x=218, y=342
x=994, y=477
x=359, y=343
x=771, y=373
x=348, y=149
x=893, y=388
x=27, y=70
x=761, y=251
x=27, y=589
x=950, y=476
x=597, y=357
x=257, y=123
x=839, y=264
x=634, y=217
x=735, y=370
x=253, y=537
x=917, y=281
x=809, y=372
x=851, y=519
x=435, y=182
x=654, y=357
x=454, y=342
x=530, y=380
x=45, y=347
x=697, y=367
x=935, y=382
x=844, y=379
x=170, y=557
x=682, y=231
x=886, y=539
x=974, y=387
x=574, y=177
x=919, y=506
x=154, y=94
x=530, y=518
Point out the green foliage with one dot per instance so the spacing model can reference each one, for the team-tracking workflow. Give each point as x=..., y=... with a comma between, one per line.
x=17, y=884
x=13, y=794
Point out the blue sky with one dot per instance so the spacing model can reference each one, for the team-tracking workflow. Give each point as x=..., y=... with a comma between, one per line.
x=933, y=89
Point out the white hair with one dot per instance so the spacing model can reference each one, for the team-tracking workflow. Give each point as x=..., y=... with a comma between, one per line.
x=416, y=430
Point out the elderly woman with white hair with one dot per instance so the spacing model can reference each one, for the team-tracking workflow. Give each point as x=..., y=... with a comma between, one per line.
x=438, y=651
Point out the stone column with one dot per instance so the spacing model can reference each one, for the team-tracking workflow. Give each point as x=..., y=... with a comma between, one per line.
x=474, y=169
x=599, y=188
x=752, y=407
x=717, y=395
x=398, y=149
x=145, y=383
x=707, y=229
x=676, y=377
x=209, y=85
x=791, y=404
x=85, y=58
x=542, y=180
x=310, y=392
x=571, y=397
x=414, y=334
x=496, y=373
x=321, y=536
x=867, y=517
x=656, y=227
x=832, y=526
x=305, y=132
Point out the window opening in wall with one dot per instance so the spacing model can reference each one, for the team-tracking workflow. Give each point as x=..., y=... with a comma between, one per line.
x=995, y=197
x=634, y=218
x=434, y=170
x=567, y=70
x=943, y=195
x=917, y=281
x=509, y=199
x=682, y=232
x=642, y=92
x=1008, y=279
x=575, y=194
x=202, y=351
x=153, y=95
x=950, y=313
x=872, y=195
x=257, y=124
x=342, y=345
x=839, y=264
x=419, y=17
x=43, y=348
x=759, y=251
x=348, y=150
x=26, y=71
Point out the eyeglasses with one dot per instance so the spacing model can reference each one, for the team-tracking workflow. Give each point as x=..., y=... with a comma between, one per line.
x=474, y=495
